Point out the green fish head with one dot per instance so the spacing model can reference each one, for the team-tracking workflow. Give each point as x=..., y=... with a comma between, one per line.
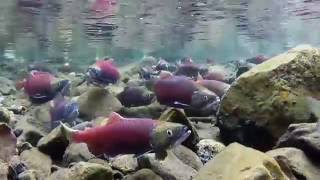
x=167, y=135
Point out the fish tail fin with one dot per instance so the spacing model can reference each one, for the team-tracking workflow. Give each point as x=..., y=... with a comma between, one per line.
x=67, y=132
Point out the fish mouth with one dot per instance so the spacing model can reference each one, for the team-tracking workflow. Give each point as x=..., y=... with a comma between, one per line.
x=184, y=135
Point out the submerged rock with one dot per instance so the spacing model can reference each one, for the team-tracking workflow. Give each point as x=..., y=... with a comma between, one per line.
x=262, y=102
x=6, y=116
x=188, y=157
x=8, y=143
x=305, y=136
x=207, y=149
x=125, y=163
x=37, y=161
x=143, y=174
x=4, y=170
x=97, y=102
x=77, y=152
x=295, y=163
x=240, y=162
x=170, y=168
x=54, y=144
x=84, y=171
x=7, y=86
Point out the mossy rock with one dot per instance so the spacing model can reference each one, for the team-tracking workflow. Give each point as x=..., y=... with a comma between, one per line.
x=261, y=103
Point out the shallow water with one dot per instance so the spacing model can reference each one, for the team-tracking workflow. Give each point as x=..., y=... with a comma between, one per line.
x=222, y=30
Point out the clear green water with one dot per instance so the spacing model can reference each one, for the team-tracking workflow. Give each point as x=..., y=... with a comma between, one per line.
x=224, y=30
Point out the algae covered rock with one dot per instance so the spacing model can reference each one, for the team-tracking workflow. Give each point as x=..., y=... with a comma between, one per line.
x=304, y=136
x=125, y=163
x=7, y=86
x=241, y=163
x=84, y=171
x=207, y=149
x=262, y=102
x=97, y=102
x=143, y=174
x=77, y=152
x=188, y=157
x=295, y=163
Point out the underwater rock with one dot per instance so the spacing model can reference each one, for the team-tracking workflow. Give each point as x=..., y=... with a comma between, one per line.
x=36, y=160
x=295, y=163
x=77, y=153
x=16, y=166
x=135, y=96
x=6, y=116
x=304, y=136
x=8, y=143
x=125, y=163
x=261, y=103
x=54, y=144
x=239, y=162
x=97, y=102
x=143, y=174
x=207, y=130
x=4, y=170
x=152, y=111
x=188, y=157
x=207, y=149
x=169, y=168
x=7, y=86
x=177, y=116
x=84, y=171
x=30, y=133
x=29, y=175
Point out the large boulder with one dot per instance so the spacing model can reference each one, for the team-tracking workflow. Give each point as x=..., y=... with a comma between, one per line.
x=295, y=163
x=304, y=136
x=262, y=102
x=143, y=174
x=241, y=163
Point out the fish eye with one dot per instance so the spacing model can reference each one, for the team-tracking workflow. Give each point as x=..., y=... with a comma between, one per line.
x=169, y=132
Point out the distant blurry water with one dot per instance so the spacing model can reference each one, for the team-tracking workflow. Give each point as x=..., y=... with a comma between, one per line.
x=223, y=30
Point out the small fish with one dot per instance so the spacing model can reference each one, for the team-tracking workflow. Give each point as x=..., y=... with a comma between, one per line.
x=30, y=3
x=174, y=91
x=62, y=110
x=42, y=87
x=102, y=73
x=129, y=136
x=218, y=87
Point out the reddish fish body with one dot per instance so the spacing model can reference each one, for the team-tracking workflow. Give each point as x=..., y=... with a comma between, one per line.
x=126, y=136
x=103, y=72
x=108, y=69
x=36, y=83
x=218, y=87
x=175, y=90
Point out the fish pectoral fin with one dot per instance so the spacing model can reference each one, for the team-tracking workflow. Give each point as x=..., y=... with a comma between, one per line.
x=161, y=155
x=142, y=154
x=181, y=104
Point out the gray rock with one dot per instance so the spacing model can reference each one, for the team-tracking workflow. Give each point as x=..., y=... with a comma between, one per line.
x=97, y=102
x=125, y=163
x=29, y=175
x=54, y=144
x=171, y=168
x=304, y=136
x=143, y=174
x=188, y=157
x=30, y=133
x=295, y=163
x=7, y=86
x=77, y=152
x=4, y=170
x=36, y=160
x=207, y=149
x=84, y=171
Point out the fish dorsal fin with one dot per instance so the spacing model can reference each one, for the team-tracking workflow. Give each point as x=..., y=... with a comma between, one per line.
x=114, y=117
